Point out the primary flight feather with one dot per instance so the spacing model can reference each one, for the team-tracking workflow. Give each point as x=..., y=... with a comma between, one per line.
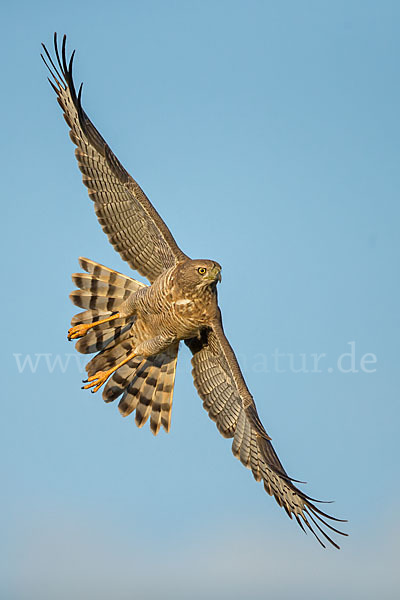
x=136, y=328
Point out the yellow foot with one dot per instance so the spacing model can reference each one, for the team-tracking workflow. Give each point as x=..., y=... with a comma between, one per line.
x=78, y=331
x=96, y=380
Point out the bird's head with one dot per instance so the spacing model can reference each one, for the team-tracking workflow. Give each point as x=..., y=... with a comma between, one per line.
x=199, y=274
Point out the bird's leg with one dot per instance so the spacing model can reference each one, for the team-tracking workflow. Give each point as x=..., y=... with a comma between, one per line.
x=99, y=378
x=80, y=330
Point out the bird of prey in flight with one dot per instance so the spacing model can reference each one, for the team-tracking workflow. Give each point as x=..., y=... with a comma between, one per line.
x=135, y=329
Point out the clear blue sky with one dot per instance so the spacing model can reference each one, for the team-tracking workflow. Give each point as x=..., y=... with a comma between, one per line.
x=267, y=136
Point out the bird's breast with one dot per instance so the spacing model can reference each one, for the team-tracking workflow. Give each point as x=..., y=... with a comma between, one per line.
x=172, y=311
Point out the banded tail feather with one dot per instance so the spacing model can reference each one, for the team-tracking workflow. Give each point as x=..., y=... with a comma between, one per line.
x=101, y=336
x=145, y=384
x=117, y=351
x=162, y=399
x=101, y=292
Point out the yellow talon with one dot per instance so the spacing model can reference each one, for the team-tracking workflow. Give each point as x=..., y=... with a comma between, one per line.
x=78, y=331
x=97, y=380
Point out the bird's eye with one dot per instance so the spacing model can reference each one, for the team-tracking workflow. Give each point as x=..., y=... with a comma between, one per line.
x=202, y=270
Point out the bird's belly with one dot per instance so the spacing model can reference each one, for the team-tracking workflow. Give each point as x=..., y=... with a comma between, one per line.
x=188, y=318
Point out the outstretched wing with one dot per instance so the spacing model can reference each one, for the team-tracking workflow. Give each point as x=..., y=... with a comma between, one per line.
x=132, y=224
x=226, y=398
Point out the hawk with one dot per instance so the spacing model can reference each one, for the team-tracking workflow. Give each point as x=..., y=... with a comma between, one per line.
x=135, y=329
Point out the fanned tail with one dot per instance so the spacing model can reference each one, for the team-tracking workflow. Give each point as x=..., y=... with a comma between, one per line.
x=145, y=384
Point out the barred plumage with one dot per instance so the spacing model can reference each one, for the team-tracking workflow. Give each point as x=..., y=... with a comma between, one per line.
x=147, y=388
x=146, y=385
x=100, y=337
x=101, y=292
x=132, y=224
x=136, y=329
x=214, y=379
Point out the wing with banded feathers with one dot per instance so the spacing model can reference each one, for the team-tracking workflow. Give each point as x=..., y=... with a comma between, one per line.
x=132, y=224
x=227, y=400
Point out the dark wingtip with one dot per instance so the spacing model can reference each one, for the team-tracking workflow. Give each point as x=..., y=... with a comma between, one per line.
x=326, y=536
x=57, y=74
x=296, y=480
x=52, y=84
x=319, y=501
x=71, y=61
x=63, y=51
x=80, y=93
x=300, y=523
x=324, y=514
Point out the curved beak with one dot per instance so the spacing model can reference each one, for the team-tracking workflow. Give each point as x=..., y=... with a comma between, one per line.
x=214, y=274
x=217, y=272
